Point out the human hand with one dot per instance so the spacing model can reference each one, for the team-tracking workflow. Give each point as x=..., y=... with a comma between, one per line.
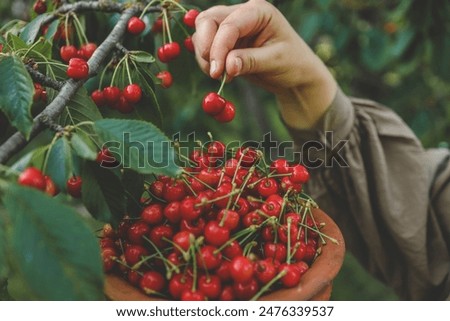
x=255, y=40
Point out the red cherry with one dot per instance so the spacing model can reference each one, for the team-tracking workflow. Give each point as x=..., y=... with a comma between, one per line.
x=98, y=97
x=245, y=291
x=267, y=187
x=68, y=52
x=247, y=156
x=152, y=282
x=229, y=218
x=243, y=206
x=201, y=160
x=134, y=253
x=232, y=250
x=283, y=233
x=182, y=241
x=210, y=286
x=112, y=94
x=252, y=218
x=137, y=231
x=209, y=176
x=189, y=18
x=275, y=251
x=208, y=257
x=74, y=186
x=40, y=6
x=157, y=25
x=299, y=250
x=188, y=44
x=216, y=149
x=188, y=209
x=169, y=51
x=33, y=177
x=213, y=104
x=174, y=191
x=223, y=271
x=287, y=184
x=227, y=294
x=195, y=227
x=109, y=256
x=280, y=166
x=220, y=194
x=123, y=105
x=172, y=212
x=215, y=234
x=192, y=295
x=135, y=26
x=272, y=206
x=38, y=89
x=300, y=174
x=132, y=93
x=133, y=277
x=87, y=50
x=50, y=188
x=292, y=277
x=241, y=269
x=166, y=78
x=152, y=214
x=160, y=234
x=178, y=283
x=230, y=167
x=157, y=188
x=106, y=159
x=78, y=69
x=265, y=271
x=227, y=114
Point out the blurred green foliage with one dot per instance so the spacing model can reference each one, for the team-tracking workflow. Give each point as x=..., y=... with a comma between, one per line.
x=395, y=52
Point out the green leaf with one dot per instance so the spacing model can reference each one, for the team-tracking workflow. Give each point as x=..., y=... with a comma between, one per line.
x=60, y=163
x=42, y=48
x=51, y=31
x=15, y=42
x=52, y=252
x=3, y=262
x=83, y=146
x=31, y=30
x=102, y=193
x=79, y=109
x=16, y=93
x=142, y=56
x=141, y=146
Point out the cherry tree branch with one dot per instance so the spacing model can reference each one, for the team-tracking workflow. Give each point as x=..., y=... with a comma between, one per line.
x=17, y=141
x=44, y=80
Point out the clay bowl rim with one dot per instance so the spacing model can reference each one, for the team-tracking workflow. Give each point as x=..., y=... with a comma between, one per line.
x=315, y=284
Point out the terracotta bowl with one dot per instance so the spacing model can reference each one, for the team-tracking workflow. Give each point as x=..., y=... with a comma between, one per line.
x=315, y=285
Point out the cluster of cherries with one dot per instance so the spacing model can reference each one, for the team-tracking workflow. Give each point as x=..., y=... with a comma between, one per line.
x=229, y=228
x=121, y=100
x=77, y=59
x=218, y=107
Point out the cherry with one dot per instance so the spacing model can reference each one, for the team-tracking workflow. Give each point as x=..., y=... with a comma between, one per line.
x=287, y=184
x=188, y=44
x=300, y=174
x=38, y=89
x=192, y=295
x=32, y=177
x=109, y=256
x=265, y=271
x=210, y=286
x=275, y=251
x=50, y=188
x=178, y=283
x=87, y=50
x=132, y=93
x=241, y=269
x=283, y=233
x=243, y=206
x=215, y=234
x=168, y=51
x=78, y=69
x=112, y=94
x=231, y=166
x=137, y=231
x=209, y=176
x=195, y=227
x=40, y=7
x=229, y=218
x=157, y=25
x=271, y=207
x=133, y=277
x=267, y=187
x=123, y=105
x=135, y=26
x=227, y=294
x=134, y=253
x=166, y=78
x=245, y=291
x=232, y=250
x=216, y=149
x=299, y=250
x=174, y=191
x=160, y=234
x=227, y=114
x=157, y=188
x=188, y=209
x=172, y=212
x=280, y=166
x=152, y=282
x=68, y=52
x=201, y=160
x=292, y=277
x=208, y=257
x=74, y=186
x=189, y=17
x=106, y=159
x=108, y=231
x=223, y=271
x=152, y=214
x=213, y=104
x=98, y=96
x=252, y=218
x=182, y=240
x=220, y=194
x=247, y=156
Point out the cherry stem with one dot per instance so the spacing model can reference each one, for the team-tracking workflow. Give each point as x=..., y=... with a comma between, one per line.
x=288, y=260
x=80, y=32
x=222, y=84
x=177, y=4
x=66, y=29
x=166, y=25
x=320, y=233
x=194, y=262
x=248, y=248
x=144, y=11
x=247, y=231
x=200, y=181
x=127, y=67
x=267, y=286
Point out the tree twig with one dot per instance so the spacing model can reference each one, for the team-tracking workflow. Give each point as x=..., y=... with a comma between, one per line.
x=43, y=79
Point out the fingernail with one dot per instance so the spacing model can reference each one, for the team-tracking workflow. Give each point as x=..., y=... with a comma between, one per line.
x=213, y=67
